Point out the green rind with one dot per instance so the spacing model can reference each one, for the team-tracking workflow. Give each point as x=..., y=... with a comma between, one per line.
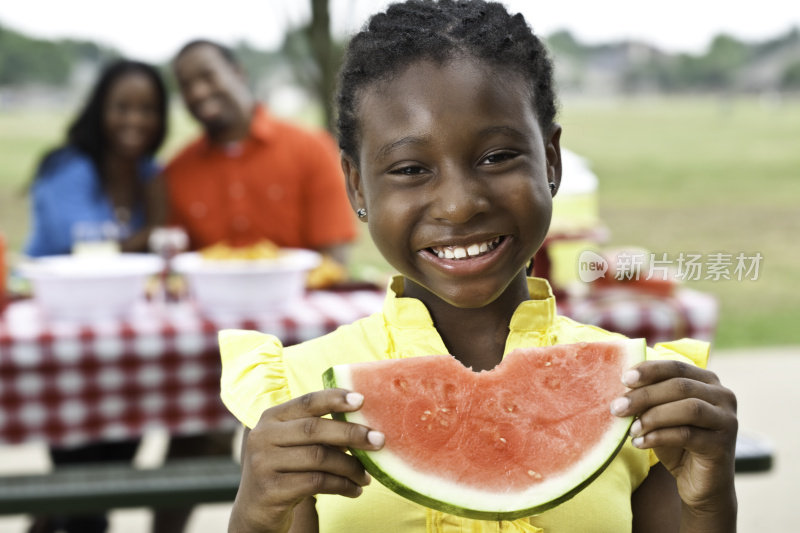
x=329, y=381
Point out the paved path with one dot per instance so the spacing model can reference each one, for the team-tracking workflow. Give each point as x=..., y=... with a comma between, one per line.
x=768, y=391
x=766, y=384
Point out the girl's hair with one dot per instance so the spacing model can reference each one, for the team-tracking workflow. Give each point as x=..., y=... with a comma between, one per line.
x=440, y=31
x=87, y=131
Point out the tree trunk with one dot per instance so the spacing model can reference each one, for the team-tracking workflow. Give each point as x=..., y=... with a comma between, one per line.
x=321, y=48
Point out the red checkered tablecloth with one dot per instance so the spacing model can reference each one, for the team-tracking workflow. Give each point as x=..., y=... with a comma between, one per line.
x=657, y=318
x=68, y=383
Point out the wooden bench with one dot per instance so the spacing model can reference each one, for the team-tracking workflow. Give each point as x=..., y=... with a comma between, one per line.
x=78, y=489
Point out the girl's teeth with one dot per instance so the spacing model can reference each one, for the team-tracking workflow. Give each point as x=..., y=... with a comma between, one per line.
x=460, y=252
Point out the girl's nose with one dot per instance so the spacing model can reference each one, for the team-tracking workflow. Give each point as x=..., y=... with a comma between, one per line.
x=459, y=195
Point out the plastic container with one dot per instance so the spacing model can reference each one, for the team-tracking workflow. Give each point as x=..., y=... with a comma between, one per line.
x=87, y=287
x=246, y=287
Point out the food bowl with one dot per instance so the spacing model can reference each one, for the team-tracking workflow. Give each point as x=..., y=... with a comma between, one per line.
x=84, y=287
x=246, y=286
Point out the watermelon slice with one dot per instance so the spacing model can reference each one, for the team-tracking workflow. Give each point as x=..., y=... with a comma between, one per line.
x=493, y=445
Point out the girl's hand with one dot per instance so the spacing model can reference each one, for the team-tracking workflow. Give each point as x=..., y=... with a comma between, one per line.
x=293, y=454
x=689, y=419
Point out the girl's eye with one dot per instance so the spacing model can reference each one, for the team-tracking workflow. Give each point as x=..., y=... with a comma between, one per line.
x=408, y=170
x=498, y=157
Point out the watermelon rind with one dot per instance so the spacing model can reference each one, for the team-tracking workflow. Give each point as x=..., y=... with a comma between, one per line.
x=429, y=490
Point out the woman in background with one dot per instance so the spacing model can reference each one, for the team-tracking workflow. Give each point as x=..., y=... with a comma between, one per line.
x=103, y=179
x=104, y=176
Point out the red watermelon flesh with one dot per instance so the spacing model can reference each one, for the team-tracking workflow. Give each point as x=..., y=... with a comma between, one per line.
x=540, y=416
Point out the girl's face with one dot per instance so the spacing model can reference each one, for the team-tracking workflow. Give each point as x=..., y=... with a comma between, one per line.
x=131, y=115
x=453, y=169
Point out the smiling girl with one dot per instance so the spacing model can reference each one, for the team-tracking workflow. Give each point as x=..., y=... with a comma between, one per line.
x=452, y=157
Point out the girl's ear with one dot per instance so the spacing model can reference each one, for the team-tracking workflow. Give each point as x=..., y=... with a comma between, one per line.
x=553, y=153
x=352, y=178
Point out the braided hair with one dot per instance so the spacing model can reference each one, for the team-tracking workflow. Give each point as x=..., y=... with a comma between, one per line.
x=440, y=31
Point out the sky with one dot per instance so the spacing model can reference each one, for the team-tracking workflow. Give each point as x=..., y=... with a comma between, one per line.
x=153, y=30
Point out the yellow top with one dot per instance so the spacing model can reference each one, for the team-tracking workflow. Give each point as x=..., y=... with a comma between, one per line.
x=257, y=373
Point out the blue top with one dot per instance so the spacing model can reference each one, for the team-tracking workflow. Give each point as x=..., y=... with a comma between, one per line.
x=66, y=192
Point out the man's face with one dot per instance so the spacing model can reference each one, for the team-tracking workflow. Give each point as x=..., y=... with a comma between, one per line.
x=214, y=90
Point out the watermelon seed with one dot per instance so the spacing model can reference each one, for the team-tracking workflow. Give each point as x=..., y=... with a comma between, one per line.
x=548, y=363
x=534, y=474
x=503, y=440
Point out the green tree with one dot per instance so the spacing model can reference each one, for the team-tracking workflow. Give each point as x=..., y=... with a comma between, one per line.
x=790, y=80
x=25, y=60
x=725, y=55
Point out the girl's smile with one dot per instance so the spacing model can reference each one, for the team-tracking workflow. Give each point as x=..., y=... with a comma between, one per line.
x=466, y=259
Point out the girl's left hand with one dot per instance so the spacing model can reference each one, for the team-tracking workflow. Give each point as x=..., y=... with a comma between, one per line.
x=689, y=419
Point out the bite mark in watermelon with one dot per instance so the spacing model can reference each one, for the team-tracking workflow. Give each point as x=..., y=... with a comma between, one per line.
x=493, y=445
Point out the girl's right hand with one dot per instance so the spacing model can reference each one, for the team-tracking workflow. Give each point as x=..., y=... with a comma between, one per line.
x=293, y=454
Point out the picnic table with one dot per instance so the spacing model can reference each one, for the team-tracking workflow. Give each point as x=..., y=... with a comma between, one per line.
x=68, y=383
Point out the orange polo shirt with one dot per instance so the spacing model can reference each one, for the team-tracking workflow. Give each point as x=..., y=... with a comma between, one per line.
x=281, y=183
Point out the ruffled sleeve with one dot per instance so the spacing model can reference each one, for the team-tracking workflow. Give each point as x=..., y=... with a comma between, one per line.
x=687, y=350
x=253, y=374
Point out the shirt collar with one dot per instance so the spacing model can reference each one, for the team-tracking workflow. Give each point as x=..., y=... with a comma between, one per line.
x=535, y=315
x=262, y=128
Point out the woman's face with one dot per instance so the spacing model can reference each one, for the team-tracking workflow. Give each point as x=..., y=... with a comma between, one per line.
x=131, y=115
x=453, y=170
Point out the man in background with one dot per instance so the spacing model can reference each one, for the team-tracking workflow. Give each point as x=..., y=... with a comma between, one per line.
x=249, y=177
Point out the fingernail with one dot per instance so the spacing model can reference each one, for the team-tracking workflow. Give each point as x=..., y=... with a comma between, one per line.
x=368, y=478
x=354, y=398
x=638, y=442
x=376, y=438
x=630, y=377
x=636, y=428
x=619, y=405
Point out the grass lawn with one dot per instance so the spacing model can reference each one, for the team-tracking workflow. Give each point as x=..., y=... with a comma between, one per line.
x=704, y=176
x=676, y=175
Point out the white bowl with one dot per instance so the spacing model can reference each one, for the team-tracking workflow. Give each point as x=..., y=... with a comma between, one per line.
x=86, y=287
x=246, y=287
